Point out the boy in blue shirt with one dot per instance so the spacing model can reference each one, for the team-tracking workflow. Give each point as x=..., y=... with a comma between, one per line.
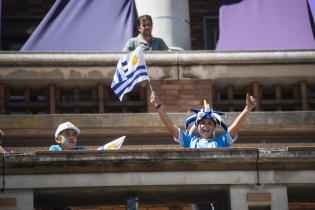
x=66, y=137
x=205, y=121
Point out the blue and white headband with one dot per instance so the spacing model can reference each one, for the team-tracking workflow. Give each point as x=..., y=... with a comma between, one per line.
x=206, y=113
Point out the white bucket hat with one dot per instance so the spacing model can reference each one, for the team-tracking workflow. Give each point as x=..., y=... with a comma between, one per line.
x=65, y=126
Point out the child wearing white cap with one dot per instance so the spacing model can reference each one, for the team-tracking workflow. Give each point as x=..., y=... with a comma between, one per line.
x=66, y=137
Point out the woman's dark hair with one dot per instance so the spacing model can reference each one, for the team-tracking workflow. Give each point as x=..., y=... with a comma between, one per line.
x=143, y=18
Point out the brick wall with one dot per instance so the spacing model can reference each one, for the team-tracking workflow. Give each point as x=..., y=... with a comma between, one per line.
x=181, y=95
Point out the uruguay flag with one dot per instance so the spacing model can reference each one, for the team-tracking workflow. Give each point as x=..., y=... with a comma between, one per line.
x=131, y=70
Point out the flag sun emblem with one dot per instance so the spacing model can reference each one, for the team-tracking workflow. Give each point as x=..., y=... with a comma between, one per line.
x=134, y=60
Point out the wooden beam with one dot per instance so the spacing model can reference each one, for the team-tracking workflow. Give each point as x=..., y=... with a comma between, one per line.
x=52, y=99
x=57, y=102
x=27, y=93
x=278, y=97
x=256, y=94
x=230, y=93
x=100, y=90
x=211, y=95
x=2, y=99
x=303, y=93
x=76, y=97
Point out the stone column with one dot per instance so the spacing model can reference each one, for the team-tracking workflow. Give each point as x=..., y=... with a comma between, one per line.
x=272, y=197
x=17, y=200
x=170, y=21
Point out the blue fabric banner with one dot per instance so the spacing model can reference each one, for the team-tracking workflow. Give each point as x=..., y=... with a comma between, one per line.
x=264, y=25
x=84, y=25
x=311, y=3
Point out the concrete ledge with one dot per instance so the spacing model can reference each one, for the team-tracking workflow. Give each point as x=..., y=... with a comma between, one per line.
x=60, y=176
x=146, y=129
x=257, y=120
x=155, y=58
x=224, y=67
x=159, y=160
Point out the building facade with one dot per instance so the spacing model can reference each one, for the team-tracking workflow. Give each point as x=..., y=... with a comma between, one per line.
x=270, y=167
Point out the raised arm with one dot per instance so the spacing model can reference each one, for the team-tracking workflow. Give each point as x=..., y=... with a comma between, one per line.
x=236, y=125
x=2, y=150
x=163, y=116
